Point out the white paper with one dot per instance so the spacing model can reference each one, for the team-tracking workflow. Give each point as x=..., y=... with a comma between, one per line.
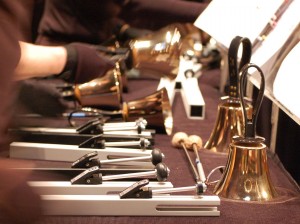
x=276, y=39
x=286, y=85
x=225, y=19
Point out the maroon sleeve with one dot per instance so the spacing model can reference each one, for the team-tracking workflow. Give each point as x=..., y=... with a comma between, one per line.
x=9, y=57
x=95, y=21
x=18, y=202
x=66, y=21
x=155, y=14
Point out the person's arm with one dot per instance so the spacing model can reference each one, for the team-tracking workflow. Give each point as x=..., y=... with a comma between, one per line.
x=40, y=61
x=75, y=62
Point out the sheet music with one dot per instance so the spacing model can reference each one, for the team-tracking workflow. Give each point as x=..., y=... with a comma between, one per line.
x=277, y=38
x=282, y=82
x=225, y=19
x=286, y=85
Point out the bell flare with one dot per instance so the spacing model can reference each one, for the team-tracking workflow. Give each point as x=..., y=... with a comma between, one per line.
x=155, y=108
x=157, y=53
x=229, y=123
x=246, y=176
x=103, y=92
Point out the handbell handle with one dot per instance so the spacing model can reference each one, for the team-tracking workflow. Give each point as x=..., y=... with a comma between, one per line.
x=234, y=68
x=250, y=123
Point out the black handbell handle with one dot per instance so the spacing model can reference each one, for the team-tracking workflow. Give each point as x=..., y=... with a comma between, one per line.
x=234, y=66
x=250, y=123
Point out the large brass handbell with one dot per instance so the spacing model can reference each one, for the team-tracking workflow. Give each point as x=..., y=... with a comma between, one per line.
x=103, y=92
x=154, y=108
x=246, y=176
x=157, y=54
x=229, y=120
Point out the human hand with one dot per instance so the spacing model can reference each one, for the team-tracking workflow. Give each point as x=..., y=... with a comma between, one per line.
x=84, y=63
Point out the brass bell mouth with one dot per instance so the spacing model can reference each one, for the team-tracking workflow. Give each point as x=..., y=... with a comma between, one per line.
x=229, y=123
x=157, y=53
x=155, y=108
x=103, y=92
x=246, y=176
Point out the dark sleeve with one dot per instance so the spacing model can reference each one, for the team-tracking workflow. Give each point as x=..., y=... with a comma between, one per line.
x=155, y=14
x=66, y=21
x=19, y=204
x=9, y=58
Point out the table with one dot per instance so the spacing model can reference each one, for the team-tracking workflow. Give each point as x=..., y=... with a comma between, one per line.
x=284, y=209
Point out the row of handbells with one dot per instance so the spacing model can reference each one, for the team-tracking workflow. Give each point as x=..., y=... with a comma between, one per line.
x=246, y=175
x=154, y=56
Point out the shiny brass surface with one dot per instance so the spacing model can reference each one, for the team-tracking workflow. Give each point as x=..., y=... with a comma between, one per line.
x=246, y=176
x=124, y=81
x=191, y=40
x=155, y=108
x=230, y=118
x=229, y=123
x=103, y=92
x=158, y=53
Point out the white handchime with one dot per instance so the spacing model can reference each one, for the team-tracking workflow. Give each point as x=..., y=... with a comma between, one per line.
x=135, y=200
x=117, y=130
x=91, y=193
x=95, y=180
x=59, y=198
x=107, y=187
x=137, y=127
x=70, y=153
x=187, y=83
x=96, y=126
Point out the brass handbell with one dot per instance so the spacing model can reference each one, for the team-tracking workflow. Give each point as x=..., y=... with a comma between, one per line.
x=246, y=176
x=154, y=108
x=103, y=92
x=229, y=120
x=157, y=53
